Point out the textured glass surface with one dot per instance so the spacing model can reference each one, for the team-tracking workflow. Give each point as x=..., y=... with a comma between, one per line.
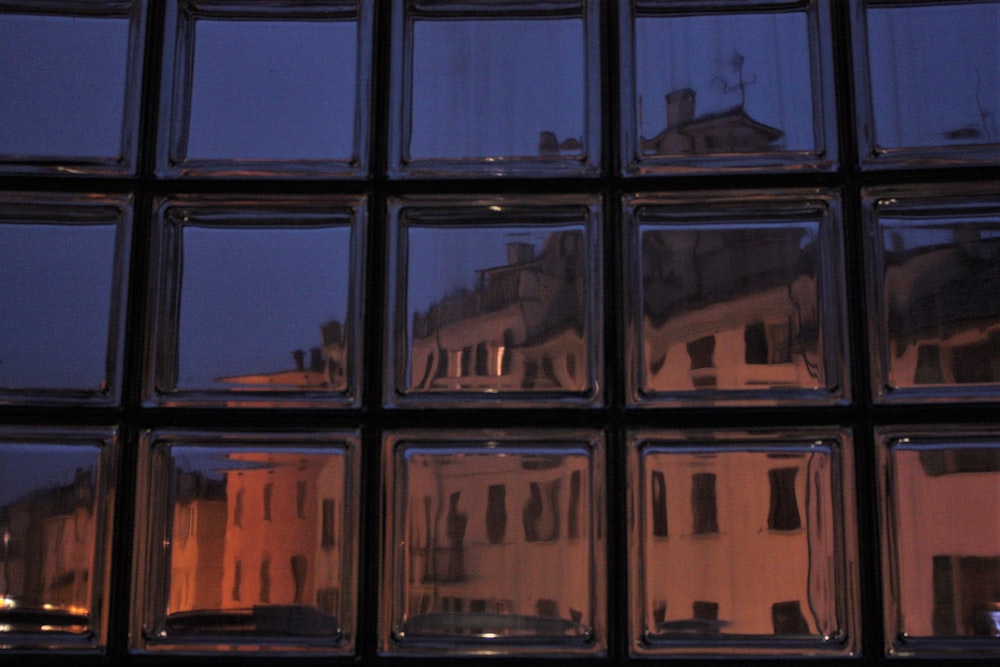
x=734, y=303
x=736, y=89
x=942, y=541
x=936, y=294
x=496, y=301
x=54, y=520
x=68, y=85
x=933, y=80
x=258, y=305
x=62, y=268
x=740, y=547
x=494, y=546
x=250, y=543
x=495, y=90
x=266, y=89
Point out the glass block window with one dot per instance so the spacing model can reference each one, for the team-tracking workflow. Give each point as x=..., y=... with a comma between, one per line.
x=63, y=275
x=518, y=320
x=942, y=556
x=731, y=85
x=472, y=526
x=933, y=291
x=445, y=330
x=70, y=115
x=56, y=536
x=243, y=545
x=742, y=542
x=288, y=272
x=927, y=85
x=732, y=301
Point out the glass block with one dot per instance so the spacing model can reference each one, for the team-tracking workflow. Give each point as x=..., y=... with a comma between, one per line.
x=496, y=301
x=941, y=540
x=926, y=83
x=492, y=88
x=258, y=302
x=55, y=527
x=737, y=301
x=70, y=85
x=63, y=277
x=732, y=85
x=742, y=543
x=246, y=542
x=934, y=267
x=464, y=577
x=266, y=89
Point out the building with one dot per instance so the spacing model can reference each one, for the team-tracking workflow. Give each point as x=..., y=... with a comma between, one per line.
x=731, y=131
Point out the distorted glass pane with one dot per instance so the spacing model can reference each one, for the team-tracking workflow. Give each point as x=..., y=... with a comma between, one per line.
x=503, y=307
x=939, y=277
x=478, y=527
x=741, y=545
x=257, y=548
x=729, y=305
x=493, y=85
x=264, y=306
x=52, y=549
x=60, y=295
x=269, y=88
x=945, y=496
x=934, y=73
x=737, y=89
x=64, y=84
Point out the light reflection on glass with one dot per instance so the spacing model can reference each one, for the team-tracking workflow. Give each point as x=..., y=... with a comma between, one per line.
x=739, y=546
x=256, y=547
x=49, y=528
x=476, y=531
x=732, y=307
x=497, y=309
x=941, y=282
x=944, y=537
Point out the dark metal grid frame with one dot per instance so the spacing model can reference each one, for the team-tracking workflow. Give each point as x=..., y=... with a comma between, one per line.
x=861, y=416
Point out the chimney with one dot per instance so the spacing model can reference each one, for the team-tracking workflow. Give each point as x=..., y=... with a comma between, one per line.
x=680, y=107
x=519, y=252
x=300, y=359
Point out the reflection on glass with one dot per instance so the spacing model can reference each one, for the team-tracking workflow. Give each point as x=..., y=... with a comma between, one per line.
x=944, y=501
x=258, y=305
x=58, y=301
x=64, y=86
x=256, y=546
x=476, y=531
x=724, y=83
x=497, y=309
x=732, y=307
x=934, y=74
x=50, y=555
x=275, y=90
x=940, y=276
x=496, y=87
x=513, y=88
x=740, y=545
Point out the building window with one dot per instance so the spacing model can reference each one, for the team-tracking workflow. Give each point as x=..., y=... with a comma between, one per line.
x=783, y=513
x=703, y=507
